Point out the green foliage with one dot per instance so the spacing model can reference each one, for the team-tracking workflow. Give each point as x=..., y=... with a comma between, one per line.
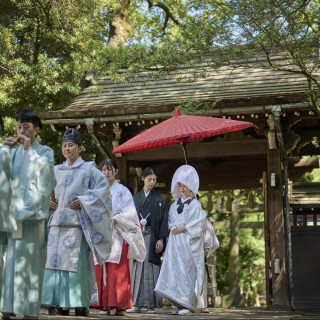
x=251, y=272
x=316, y=142
x=252, y=260
x=313, y=176
x=9, y=126
x=222, y=267
x=45, y=48
x=265, y=27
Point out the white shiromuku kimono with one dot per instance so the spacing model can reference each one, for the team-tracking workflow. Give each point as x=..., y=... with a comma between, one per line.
x=32, y=182
x=211, y=242
x=70, y=229
x=183, y=264
x=127, y=225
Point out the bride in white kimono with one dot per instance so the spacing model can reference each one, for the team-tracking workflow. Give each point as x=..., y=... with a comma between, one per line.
x=183, y=265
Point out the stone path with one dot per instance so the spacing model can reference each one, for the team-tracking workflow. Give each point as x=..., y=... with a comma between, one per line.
x=215, y=314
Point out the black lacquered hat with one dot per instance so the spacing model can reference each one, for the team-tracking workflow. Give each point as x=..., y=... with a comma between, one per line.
x=27, y=115
x=72, y=135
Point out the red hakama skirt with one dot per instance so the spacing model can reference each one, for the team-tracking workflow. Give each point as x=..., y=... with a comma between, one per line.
x=117, y=292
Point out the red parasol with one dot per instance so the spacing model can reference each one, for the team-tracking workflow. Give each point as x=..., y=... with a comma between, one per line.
x=180, y=129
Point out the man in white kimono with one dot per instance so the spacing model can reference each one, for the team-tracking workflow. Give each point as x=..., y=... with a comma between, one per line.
x=32, y=180
x=183, y=265
x=81, y=221
x=7, y=221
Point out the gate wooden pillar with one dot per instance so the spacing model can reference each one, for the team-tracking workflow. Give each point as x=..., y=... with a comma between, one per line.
x=278, y=281
x=124, y=170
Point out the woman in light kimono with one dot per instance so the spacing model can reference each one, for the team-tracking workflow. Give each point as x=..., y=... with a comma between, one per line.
x=211, y=244
x=153, y=214
x=114, y=288
x=183, y=265
x=80, y=223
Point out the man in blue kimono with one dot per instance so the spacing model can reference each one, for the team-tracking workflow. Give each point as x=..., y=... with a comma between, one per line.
x=32, y=180
x=81, y=223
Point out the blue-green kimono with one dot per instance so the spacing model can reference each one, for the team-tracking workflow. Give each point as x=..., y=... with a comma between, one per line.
x=7, y=222
x=32, y=182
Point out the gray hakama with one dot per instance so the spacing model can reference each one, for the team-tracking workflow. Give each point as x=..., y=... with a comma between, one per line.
x=144, y=279
x=145, y=274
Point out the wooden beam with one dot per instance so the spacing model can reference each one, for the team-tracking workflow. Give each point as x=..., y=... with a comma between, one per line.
x=124, y=170
x=226, y=224
x=224, y=173
x=276, y=230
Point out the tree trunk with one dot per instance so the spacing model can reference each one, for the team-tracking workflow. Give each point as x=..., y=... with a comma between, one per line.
x=234, y=250
x=119, y=25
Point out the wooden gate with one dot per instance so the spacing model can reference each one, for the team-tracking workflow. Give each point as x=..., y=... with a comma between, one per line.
x=305, y=235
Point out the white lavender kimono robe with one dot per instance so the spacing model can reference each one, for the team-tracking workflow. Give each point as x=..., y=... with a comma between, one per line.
x=70, y=230
x=127, y=227
x=84, y=181
x=32, y=182
x=183, y=263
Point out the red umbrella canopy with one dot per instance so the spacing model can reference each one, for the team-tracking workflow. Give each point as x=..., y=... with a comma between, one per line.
x=180, y=129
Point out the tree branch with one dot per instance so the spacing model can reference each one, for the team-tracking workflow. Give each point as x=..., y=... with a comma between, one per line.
x=46, y=11
x=167, y=11
x=6, y=69
x=310, y=24
x=313, y=97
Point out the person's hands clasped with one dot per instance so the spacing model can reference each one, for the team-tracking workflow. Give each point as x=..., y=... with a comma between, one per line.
x=206, y=251
x=24, y=141
x=178, y=229
x=159, y=246
x=53, y=204
x=10, y=142
x=75, y=205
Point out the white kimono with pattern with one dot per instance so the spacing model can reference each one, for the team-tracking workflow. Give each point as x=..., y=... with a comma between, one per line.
x=127, y=225
x=183, y=265
x=84, y=181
